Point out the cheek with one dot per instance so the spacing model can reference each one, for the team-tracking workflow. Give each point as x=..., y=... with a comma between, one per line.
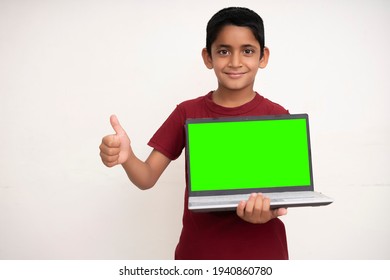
x=219, y=63
x=253, y=62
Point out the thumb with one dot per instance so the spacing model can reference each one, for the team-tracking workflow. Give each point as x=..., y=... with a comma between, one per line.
x=280, y=212
x=116, y=125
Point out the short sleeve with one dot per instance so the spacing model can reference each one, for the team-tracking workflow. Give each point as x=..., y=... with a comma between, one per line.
x=169, y=139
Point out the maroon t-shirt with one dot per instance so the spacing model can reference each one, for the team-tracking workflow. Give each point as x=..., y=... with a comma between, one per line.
x=219, y=235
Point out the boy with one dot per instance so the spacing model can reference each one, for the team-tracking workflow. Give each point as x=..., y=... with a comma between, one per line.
x=235, y=51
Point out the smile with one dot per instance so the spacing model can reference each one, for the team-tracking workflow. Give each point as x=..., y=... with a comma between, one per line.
x=235, y=75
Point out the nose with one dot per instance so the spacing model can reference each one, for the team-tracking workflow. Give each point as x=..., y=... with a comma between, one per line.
x=235, y=60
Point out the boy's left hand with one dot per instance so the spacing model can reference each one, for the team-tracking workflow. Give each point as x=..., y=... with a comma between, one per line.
x=256, y=210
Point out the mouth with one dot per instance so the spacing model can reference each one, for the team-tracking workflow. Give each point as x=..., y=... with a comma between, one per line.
x=235, y=75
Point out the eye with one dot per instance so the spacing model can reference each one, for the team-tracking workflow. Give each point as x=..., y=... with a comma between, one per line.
x=223, y=52
x=249, y=51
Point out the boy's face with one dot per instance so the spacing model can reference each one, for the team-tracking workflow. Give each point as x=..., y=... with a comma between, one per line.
x=235, y=58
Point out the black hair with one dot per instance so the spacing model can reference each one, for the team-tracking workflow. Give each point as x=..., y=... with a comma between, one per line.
x=235, y=16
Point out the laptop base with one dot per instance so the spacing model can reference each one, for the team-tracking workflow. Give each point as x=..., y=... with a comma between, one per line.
x=278, y=200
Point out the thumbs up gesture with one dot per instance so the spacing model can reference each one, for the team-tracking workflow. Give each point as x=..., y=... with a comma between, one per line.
x=115, y=148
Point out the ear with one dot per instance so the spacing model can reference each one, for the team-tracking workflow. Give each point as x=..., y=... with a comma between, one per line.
x=207, y=59
x=264, y=60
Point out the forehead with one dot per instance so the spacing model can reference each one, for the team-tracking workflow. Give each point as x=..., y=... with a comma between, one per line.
x=233, y=35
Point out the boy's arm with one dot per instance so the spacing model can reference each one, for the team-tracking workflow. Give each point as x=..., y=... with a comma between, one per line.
x=145, y=174
x=116, y=149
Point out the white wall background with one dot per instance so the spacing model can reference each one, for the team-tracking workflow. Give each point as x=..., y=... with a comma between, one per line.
x=65, y=66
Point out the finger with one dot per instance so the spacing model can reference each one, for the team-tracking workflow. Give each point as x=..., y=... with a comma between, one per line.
x=258, y=206
x=249, y=207
x=110, y=164
x=241, y=209
x=109, y=151
x=109, y=161
x=280, y=212
x=111, y=141
x=116, y=125
x=266, y=204
x=107, y=158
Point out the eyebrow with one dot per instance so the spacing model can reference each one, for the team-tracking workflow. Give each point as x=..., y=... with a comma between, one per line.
x=243, y=46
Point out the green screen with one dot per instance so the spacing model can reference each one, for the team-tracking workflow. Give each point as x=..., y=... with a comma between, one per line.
x=248, y=154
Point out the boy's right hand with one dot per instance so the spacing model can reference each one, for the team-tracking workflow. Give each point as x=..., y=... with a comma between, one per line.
x=115, y=148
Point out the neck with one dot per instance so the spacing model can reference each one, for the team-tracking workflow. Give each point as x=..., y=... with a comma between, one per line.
x=232, y=98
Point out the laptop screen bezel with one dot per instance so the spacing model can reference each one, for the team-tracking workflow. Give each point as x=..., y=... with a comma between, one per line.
x=309, y=187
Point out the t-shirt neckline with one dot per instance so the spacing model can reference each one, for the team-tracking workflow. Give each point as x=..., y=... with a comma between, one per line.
x=232, y=111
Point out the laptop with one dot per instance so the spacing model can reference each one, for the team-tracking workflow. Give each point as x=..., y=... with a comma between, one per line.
x=230, y=158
